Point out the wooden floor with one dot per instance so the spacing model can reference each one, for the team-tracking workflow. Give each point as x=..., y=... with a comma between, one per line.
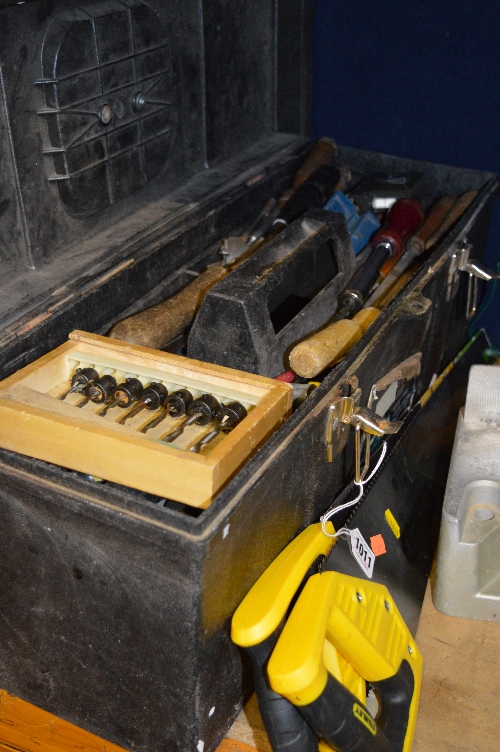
x=459, y=702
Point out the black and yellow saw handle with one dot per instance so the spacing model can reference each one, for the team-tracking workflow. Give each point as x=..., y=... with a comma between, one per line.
x=338, y=717
x=361, y=622
x=257, y=624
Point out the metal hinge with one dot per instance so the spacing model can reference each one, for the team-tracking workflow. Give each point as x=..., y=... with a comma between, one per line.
x=461, y=262
x=344, y=412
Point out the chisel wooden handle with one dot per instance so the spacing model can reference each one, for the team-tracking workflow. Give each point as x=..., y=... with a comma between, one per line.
x=432, y=223
x=458, y=208
x=323, y=152
x=417, y=244
x=398, y=285
x=329, y=345
x=158, y=325
x=404, y=219
x=412, y=211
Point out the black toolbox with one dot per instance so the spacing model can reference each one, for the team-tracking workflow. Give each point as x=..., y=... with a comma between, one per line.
x=133, y=138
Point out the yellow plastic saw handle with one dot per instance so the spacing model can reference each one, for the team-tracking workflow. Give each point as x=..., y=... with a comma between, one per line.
x=265, y=605
x=360, y=619
x=256, y=626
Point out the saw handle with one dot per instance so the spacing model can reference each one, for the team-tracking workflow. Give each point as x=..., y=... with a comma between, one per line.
x=344, y=723
x=257, y=624
x=338, y=718
x=286, y=728
x=396, y=696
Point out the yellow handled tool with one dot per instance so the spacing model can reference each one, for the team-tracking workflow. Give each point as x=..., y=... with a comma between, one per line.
x=256, y=626
x=361, y=621
x=329, y=345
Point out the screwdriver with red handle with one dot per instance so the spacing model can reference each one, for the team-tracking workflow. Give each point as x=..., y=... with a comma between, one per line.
x=403, y=221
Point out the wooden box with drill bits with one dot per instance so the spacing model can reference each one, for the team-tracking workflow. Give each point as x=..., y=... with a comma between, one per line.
x=225, y=415
x=139, y=143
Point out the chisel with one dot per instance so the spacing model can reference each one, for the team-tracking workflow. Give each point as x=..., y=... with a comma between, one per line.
x=156, y=326
x=416, y=244
x=324, y=152
x=330, y=345
x=403, y=220
x=442, y=216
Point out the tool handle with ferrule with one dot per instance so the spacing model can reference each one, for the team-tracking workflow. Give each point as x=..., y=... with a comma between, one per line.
x=416, y=245
x=404, y=219
x=331, y=344
x=323, y=152
x=365, y=277
x=434, y=219
x=314, y=192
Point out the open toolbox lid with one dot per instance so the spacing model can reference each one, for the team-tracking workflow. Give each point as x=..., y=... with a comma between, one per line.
x=122, y=119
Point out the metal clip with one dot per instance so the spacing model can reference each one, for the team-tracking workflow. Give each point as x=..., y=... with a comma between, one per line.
x=336, y=431
x=344, y=412
x=461, y=261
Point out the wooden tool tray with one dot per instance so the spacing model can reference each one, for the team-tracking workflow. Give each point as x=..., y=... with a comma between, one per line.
x=35, y=422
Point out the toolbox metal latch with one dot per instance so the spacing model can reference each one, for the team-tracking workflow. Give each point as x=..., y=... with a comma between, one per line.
x=345, y=412
x=461, y=261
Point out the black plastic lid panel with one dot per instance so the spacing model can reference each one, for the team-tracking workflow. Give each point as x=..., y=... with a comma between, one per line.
x=108, y=107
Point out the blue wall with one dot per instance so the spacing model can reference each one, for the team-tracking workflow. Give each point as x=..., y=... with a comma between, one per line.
x=417, y=79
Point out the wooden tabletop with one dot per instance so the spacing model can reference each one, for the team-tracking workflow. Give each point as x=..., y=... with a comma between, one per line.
x=460, y=690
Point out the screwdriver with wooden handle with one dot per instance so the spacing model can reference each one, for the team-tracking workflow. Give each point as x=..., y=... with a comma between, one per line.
x=325, y=151
x=403, y=220
x=330, y=345
x=156, y=326
x=416, y=245
x=441, y=218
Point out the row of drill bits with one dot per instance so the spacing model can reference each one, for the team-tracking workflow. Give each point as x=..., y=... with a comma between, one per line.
x=202, y=411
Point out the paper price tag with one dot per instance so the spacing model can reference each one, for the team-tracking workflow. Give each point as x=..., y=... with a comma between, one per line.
x=362, y=552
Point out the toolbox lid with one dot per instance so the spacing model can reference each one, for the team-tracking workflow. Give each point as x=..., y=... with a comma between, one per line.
x=119, y=117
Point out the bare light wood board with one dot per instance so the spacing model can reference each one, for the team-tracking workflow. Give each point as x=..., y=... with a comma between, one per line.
x=460, y=689
x=35, y=422
x=461, y=683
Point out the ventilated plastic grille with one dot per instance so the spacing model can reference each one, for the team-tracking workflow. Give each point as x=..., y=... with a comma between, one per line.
x=110, y=106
